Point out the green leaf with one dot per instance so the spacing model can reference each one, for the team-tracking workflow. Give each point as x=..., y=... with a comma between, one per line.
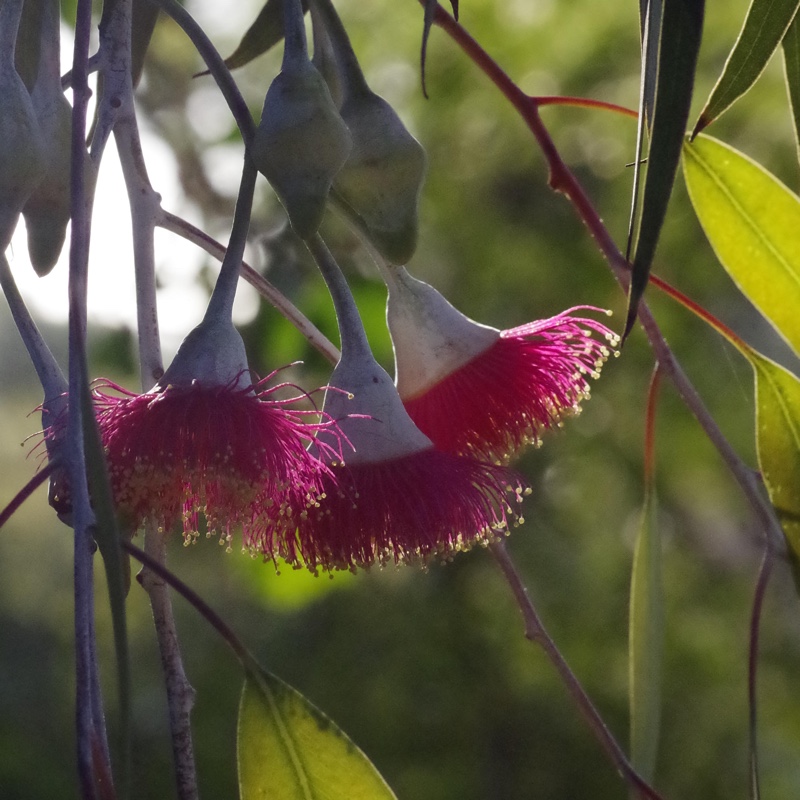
x=262, y=35
x=791, y=68
x=764, y=28
x=144, y=16
x=646, y=642
x=679, y=43
x=751, y=220
x=289, y=750
x=778, y=442
x=117, y=569
x=650, y=12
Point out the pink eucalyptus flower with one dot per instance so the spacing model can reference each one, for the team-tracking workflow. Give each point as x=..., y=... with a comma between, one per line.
x=396, y=498
x=205, y=441
x=232, y=454
x=477, y=390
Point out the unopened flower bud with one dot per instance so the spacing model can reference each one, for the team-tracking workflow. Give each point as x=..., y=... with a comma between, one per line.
x=379, y=186
x=301, y=143
x=47, y=210
x=381, y=181
x=21, y=149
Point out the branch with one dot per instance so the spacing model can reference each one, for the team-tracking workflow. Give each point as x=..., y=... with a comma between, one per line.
x=180, y=694
x=562, y=180
x=536, y=632
x=280, y=302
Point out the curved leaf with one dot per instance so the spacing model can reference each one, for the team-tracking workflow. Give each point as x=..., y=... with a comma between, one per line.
x=262, y=35
x=751, y=220
x=791, y=68
x=778, y=443
x=764, y=27
x=679, y=43
x=289, y=750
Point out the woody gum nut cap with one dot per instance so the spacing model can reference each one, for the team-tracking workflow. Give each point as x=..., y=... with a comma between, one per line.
x=300, y=144
x=381, y=182
x=430, y=337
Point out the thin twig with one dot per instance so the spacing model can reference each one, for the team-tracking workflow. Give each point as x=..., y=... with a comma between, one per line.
x=536, y=632
x=180, y=694
x=216, y=66
x=280, y=302
x=27, y=490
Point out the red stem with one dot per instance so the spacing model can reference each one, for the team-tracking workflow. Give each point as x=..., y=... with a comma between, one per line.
x=582, y=102
x=26, y=491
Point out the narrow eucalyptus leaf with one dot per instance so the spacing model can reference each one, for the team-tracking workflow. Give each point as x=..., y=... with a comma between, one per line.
x=778, y=444
x=646, y=641
x=751, y=220
x=764, y=27
x=791, y=68
x=289, y=750
x=117, y=569
x=261, y=36
x=143, y=22
x=679, y=43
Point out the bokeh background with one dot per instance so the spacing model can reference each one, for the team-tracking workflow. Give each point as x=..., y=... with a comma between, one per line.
x=429, y=671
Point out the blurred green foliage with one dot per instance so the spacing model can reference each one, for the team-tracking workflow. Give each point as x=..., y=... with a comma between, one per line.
x=429, y=672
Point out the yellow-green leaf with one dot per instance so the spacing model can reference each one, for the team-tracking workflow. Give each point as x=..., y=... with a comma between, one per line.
x=289, y=750
x=646, y=642
x=752, y=221
x=778, y=441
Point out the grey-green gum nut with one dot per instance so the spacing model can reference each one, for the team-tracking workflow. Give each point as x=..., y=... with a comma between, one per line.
x=300, y=144
x=382, y=180
x=22, y=155
x=47, y=210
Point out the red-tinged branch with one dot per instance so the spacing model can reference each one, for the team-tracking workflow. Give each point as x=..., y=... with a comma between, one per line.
x=562, y=180
x=26, y=491
x=707, y=317
x=536, y=632
x=582, y=102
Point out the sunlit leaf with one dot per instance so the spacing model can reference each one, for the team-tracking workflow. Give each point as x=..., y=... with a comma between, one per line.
x=646, y=642
x=778, y=442
x=679, y=43
x=752, y=221
x=289, y=750
x=764, y=28
x=791, y=66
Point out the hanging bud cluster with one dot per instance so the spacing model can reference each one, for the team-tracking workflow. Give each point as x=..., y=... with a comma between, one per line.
x=324, y=133
x=47, y=210
x=22, y=154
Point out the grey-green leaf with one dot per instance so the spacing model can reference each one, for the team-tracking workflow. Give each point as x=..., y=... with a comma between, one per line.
x=764, y=27
x=261, y=36
x=646, y=642
x=289, y=750
x=680, y=33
